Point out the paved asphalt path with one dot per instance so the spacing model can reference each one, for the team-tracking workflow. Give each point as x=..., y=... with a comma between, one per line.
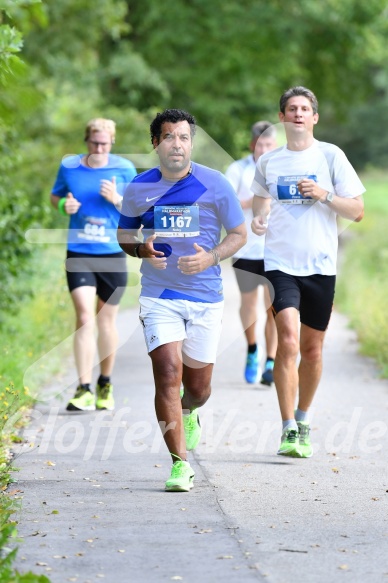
x=94, y=506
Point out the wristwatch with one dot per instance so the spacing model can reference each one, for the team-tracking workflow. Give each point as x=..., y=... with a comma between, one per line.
x=136, y=250
x=329, y=197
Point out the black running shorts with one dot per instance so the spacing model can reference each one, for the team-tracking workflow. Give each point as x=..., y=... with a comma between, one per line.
x=107, y=273
x=312, y=295
x=249, y=273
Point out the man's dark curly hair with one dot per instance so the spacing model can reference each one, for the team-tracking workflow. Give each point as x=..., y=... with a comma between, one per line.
x=172, y=116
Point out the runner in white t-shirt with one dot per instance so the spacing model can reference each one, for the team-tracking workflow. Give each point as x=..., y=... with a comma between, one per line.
x=248, y=262
x=300, y=189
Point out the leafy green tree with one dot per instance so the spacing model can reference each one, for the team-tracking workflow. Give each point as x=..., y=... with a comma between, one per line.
x=228, y=62
x=16, y=212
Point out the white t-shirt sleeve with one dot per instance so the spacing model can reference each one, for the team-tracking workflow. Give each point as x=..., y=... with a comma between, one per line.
x=233, y=174
x=346, y=182
x=259, y=186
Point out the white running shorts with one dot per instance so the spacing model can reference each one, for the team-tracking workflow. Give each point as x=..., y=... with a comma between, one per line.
x=196, y=324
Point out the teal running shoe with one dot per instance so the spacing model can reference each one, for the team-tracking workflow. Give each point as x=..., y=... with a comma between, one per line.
x=289, y=444
x=182, y=477
x=192, y=429
x=105, y=398
x=304, y=439
x=83, y=400
x=252, y=367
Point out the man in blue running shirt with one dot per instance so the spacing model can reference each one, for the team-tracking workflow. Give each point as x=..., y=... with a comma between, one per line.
x=181, y=208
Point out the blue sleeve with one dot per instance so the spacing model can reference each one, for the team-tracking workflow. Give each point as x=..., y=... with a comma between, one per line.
x=60, y=187
x=129, y=175
x=129, y=215
x=229, y=206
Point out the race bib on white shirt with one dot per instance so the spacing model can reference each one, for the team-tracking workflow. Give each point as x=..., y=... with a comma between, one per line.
x=176, y=221
x=287, y=188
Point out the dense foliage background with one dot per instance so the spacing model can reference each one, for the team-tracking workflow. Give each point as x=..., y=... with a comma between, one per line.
x=226, y=61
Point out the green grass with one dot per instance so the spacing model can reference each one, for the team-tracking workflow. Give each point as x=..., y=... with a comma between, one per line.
x=35, y=345
x=363, y=276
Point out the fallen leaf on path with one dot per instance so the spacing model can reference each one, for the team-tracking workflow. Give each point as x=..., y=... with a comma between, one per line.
x=343, y=567
x=15, y=491
x=225, y=557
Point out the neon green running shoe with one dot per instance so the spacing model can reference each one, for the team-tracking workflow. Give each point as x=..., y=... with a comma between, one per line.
x=83, y=400
x=105, y=398
x=289, y=444
x=182, y=477
x=192, y=429
x=304, y=439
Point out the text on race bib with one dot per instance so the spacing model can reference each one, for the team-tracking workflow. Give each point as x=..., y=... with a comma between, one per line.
x=176, y=221
x=287, y=188
x=94, y=229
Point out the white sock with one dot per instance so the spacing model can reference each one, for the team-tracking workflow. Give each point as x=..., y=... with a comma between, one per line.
x=301, y=415
x=290, y=424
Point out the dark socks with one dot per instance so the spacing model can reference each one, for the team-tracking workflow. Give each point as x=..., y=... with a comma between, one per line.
x=252, y=348
x=103, y=381
x=85, y=386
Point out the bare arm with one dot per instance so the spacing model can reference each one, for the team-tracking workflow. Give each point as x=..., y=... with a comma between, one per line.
x=71, y=204
x=347, y=208
x=232, y=242
x=261, y=208
x=131, y=245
